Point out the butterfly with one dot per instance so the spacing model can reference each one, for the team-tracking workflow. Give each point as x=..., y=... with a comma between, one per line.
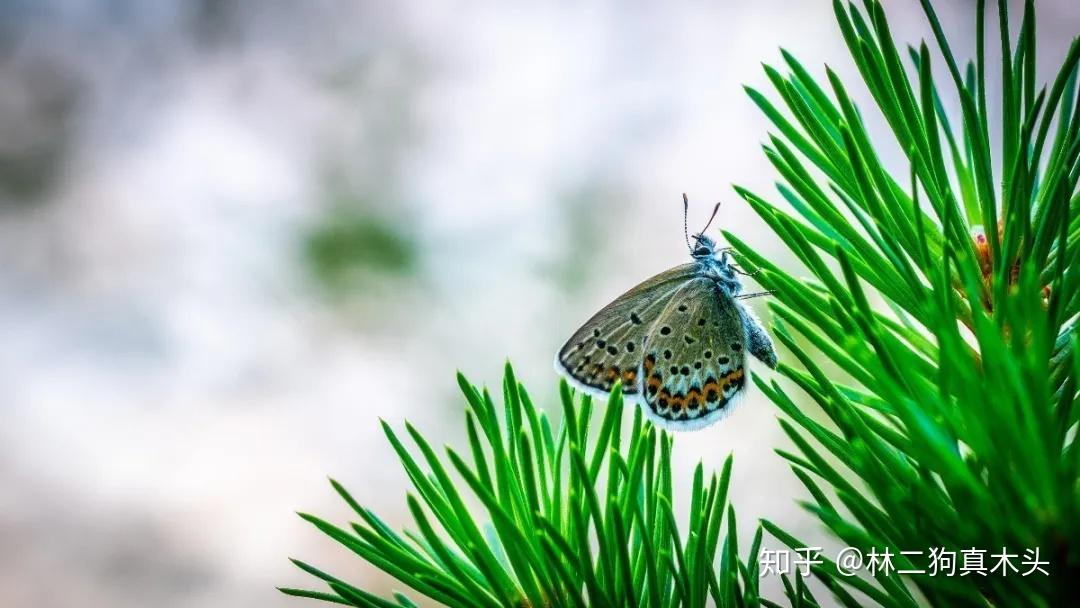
x=677, y=342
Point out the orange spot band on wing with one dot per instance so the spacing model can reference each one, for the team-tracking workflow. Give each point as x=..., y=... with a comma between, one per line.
x=650, y=363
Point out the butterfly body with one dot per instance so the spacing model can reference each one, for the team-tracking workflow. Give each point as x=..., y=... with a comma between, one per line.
x=677, y=343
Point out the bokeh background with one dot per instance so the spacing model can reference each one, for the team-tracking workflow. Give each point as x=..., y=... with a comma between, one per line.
x=233, y=235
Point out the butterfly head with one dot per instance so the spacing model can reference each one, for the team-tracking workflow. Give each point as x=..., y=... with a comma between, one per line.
x=702, y=247
x=713, y=261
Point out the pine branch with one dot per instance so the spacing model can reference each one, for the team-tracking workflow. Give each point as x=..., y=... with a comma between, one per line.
x=959, y=431
x=573, y=516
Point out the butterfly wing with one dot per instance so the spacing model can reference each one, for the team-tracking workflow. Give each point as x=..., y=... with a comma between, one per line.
x=694, y=368
x=608, y=347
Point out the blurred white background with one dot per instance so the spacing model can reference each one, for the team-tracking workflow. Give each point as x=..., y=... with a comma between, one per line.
x=235, y=234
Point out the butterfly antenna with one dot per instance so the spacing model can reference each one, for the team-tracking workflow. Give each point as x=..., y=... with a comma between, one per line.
x=711, y=218
x=685, y=230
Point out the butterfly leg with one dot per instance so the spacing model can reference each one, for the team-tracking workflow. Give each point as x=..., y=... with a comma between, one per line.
x=756, y=294
x=725, y=254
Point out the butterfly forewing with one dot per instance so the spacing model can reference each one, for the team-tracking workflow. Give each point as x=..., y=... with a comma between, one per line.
x=694, y=365
x=610, y=345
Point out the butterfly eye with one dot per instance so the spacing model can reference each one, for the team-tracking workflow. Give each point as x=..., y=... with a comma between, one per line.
x=700, y=251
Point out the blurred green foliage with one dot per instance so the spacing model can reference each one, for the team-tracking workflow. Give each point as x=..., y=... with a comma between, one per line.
x=348, y=247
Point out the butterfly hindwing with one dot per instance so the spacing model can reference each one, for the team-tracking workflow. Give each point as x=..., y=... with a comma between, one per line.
x=609, y=346
x=694, y=366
